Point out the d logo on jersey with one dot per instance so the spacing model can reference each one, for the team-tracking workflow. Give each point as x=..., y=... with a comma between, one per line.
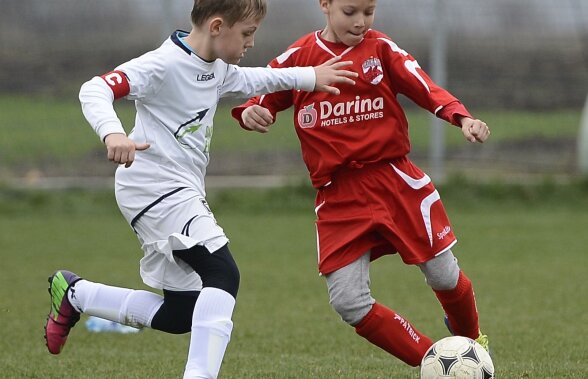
x=118, y=83
x=372, y=70
x=307, y=116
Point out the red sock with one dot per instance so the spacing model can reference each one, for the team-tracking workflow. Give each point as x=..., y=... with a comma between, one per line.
x=459, y=305
x=391, y=332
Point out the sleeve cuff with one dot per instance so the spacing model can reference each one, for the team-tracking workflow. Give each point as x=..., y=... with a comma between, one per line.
x=110, y=128
x=307, y=80
x=237, y=113
x=450, y=112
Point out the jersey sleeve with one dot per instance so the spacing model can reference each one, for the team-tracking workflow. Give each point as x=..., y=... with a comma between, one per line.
x=96, y=98
x=451, y=111
x=409, y=79
x=254, y=81
x=274, y=102
x=139, y=78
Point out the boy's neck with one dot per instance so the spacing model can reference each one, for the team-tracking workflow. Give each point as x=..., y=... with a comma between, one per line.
x=329, y=36
x=200, y=44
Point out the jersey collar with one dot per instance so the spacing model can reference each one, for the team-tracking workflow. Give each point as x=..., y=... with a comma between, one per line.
x=175, y=37
x=329, y=46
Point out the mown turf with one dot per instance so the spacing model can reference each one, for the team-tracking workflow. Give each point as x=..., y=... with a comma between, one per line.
x=523, y=247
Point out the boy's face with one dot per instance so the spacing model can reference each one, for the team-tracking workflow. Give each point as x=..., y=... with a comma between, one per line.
x=348, y=20
x=232, y=42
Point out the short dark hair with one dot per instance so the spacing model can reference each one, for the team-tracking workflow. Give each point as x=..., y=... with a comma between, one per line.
x=231, y=11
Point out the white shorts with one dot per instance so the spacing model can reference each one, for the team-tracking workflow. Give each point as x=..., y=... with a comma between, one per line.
x=177, y=220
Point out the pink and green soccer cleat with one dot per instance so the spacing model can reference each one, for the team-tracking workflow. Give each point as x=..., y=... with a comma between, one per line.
x=62, y=316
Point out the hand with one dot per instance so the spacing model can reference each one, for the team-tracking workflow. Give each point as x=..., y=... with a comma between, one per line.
x=330, y=73
x=121, y=149
x=474, y=130
x=257, y=118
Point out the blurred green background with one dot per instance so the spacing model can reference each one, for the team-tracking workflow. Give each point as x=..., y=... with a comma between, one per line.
x=518, y=203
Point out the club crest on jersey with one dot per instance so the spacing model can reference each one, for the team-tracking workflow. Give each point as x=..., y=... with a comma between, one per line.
x=372, y=70
x=307, y=116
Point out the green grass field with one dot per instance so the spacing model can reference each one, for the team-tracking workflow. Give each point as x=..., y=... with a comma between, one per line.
x=523, y=247
x=49, y=131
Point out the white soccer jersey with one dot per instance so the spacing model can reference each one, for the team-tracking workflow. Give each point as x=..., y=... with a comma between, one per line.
x=176, y=94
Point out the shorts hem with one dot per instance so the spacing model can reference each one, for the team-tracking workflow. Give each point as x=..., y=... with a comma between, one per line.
x=419, y=261
x=334, y=267
x=156, y=284
x=331, y=268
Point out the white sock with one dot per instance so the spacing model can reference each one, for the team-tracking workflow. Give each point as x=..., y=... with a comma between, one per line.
x=211, y=332
x=126, y=306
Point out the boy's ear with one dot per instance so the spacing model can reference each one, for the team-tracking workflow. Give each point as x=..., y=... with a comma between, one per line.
x=215, y=25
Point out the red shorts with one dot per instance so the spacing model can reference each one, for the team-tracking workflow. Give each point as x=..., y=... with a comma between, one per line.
x=385, y=208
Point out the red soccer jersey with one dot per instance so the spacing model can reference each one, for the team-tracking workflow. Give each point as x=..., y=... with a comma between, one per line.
x=365, y=123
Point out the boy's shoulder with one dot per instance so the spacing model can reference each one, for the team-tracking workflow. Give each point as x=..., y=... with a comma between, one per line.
x=305, y=40
x=376, y=34
x=160, y=55
x=298, y=48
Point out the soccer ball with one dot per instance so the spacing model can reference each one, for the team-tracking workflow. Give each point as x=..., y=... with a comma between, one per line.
x=457, y=357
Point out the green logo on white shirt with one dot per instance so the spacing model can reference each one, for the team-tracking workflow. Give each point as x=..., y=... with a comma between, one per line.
x=189, y=128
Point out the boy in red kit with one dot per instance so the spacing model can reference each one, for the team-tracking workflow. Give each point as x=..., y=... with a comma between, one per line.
x=372, y=200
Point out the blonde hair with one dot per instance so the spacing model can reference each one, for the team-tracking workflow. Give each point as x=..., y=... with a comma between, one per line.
x=231, y=11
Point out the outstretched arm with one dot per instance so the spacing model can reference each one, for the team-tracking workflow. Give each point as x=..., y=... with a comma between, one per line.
x=253, y=81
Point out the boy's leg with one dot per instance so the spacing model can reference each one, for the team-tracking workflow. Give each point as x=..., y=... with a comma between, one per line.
x=175, y=314
x=455, y=292
x=72, y=295
x=123, y=305
x=350, y=296
x=211, y=321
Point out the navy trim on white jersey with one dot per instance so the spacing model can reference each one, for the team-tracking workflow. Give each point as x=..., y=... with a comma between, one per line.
x=146, y=209
x=186, y=228
x=175, y=37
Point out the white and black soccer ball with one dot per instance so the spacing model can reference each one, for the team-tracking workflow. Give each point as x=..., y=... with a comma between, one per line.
x=457, y=357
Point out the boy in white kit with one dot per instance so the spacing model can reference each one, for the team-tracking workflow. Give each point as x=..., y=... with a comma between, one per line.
x=160, y=189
